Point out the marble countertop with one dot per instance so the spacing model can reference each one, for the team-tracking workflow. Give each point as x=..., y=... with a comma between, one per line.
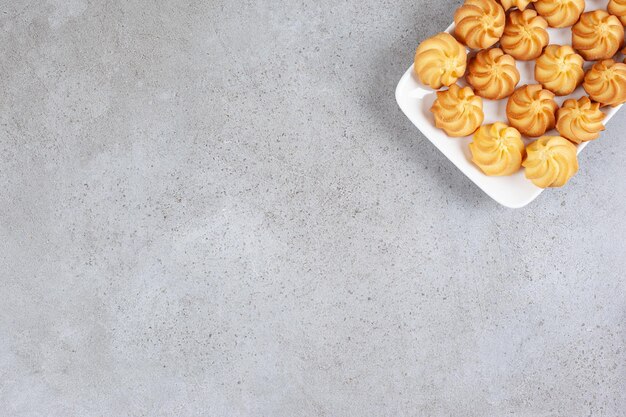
x=216, y=208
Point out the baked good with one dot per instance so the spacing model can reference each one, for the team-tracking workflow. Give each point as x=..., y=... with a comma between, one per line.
x=560, y=13
x=580, y=120
x=531, y=110
x=492, y=74
x=520, y=4
x=618, y=8
x=550, y=161
x=497, y=149
x=559, y=69
x=479, y=23
x=605, y=82
x=597, y=35
x=440, y=60
x=525, y=35
x=458, y=111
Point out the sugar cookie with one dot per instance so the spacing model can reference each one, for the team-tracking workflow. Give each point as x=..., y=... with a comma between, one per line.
x=580, y=120
x=479, y=23
x=440, y=60
x=531, y=110
x=560, y=13
x=458, y=111
x=525, y=35
x=559, y=69
x=597, y=35
x=605, y=82
x=550, y=161
x=497, y=149
x=492, y=74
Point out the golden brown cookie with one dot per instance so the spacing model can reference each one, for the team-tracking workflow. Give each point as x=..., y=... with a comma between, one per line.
x=458, y=111
x=580, y=120
x=531, y=110
x=520, y=4
x=550, y=161
x=560, y=13
x=559, y=69
x=479, y=23
x=597, y=35
x=492, y=74
x=497, y=149
x=440, y=60
x=605, y=82
x=525, y=35
x=618, y=8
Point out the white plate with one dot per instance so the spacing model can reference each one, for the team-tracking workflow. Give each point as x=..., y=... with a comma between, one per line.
x=514, y=191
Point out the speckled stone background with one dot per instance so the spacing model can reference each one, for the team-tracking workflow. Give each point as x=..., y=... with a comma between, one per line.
x=215, y=208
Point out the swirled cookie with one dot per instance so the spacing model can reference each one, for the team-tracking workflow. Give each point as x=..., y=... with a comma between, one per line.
x=492, y=74
x=531, y=110
x=440, y=60
x=479, y=23
x=560, y=13
x=520, y=4
x=458, y=111
x=580, y=120
x=497, y=149
x=618, y=8
x=525, y=35
x=597, y=35
x=550, y=161
x=559, y=69
x=605, y=82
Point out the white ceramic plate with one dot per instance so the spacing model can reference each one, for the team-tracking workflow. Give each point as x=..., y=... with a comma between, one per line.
x=514, y=191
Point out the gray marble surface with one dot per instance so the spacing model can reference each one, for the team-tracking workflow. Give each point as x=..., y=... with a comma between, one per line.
x=215, y=208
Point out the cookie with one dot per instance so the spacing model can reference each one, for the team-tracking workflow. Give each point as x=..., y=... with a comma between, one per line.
x=560, y=13
x=580, y=120
x=497, y=149
x=550, y=161
x=605, y=82
x=597, y=35
x=525, y=35
x=559, y=69
x=618, y=8
x=531, y=110
x=440, y=60
x=458, y=111
x=479, y=24
x=492, y=74
x=520, y=4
